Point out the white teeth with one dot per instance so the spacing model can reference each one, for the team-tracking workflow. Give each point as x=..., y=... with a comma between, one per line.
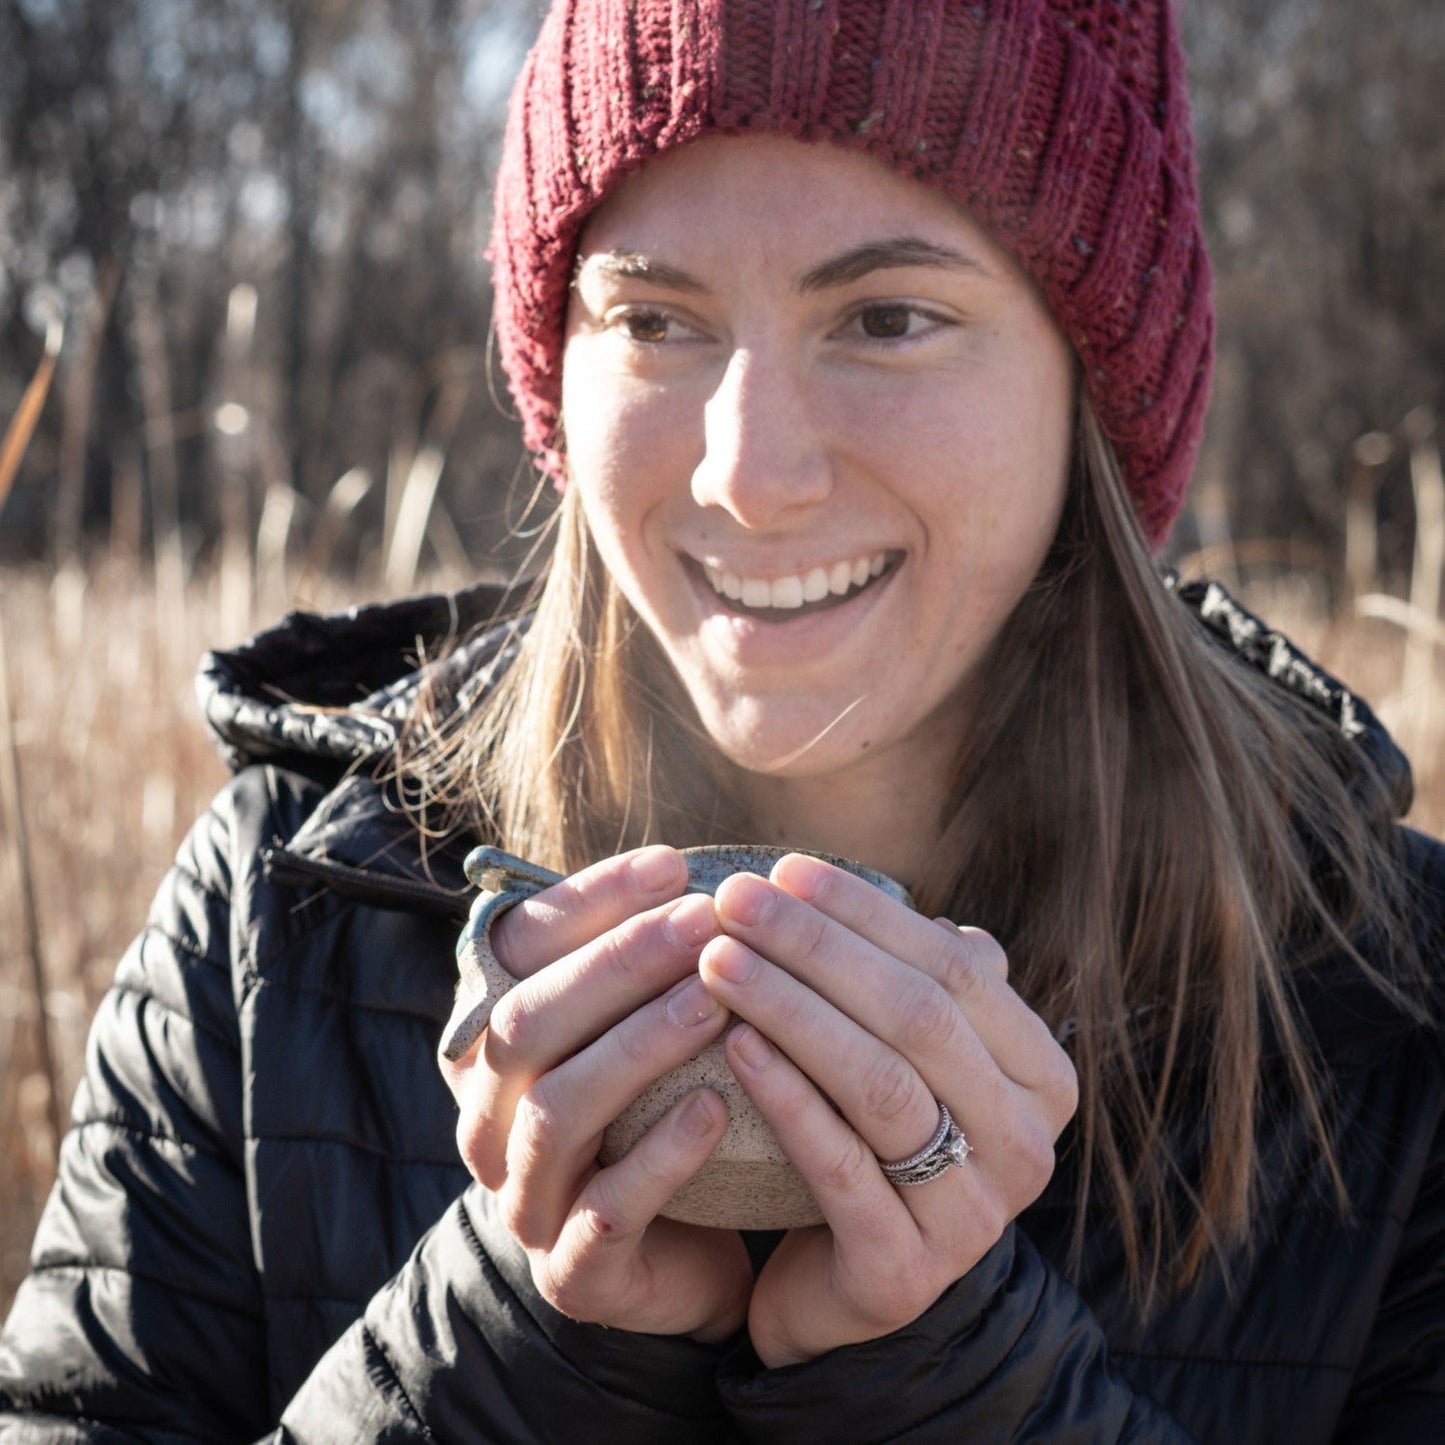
x=791, y=592
x=788, y=592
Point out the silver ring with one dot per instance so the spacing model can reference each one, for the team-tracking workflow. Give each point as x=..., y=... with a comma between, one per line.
x=946, y=1149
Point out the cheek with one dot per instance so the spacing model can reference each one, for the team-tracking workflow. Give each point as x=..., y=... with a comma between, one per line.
x=624, y=437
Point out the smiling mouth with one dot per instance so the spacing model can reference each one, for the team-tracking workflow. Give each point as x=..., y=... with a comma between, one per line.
x=799, y=593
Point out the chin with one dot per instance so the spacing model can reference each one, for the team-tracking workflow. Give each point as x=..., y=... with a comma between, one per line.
x=786, y=752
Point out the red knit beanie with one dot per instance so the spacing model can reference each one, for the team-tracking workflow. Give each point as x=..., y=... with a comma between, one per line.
x=1062, y=126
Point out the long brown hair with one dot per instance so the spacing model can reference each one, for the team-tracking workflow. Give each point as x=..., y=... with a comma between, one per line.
x=1145, y=823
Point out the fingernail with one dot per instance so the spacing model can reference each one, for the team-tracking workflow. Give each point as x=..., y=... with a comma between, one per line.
x=751, y=1047
x=692, y=922
x=655, y=869
x=696, y=1118
x=746, y=898
x=735, y=961
x=803, y=877
x=690, y=1004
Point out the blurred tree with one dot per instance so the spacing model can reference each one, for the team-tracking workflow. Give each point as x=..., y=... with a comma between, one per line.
x=332, y=158
x=1322, y=147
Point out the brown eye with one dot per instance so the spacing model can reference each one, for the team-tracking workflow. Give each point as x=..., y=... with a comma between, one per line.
x=885, y=323
x=645, y=325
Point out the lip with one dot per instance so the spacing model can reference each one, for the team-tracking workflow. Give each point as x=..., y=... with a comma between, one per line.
x=782, y=637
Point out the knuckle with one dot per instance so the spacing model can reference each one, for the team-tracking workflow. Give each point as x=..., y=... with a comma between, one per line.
x=515, y=1216
x=851, y=1167
x=565, y=1288
x=633, y=1042
x=960, y=977
x=538, y=1126
x=1037, y=1163
x=930, y=1019
x=987, y=952
x=472, y=1146
x=894, y=1296
x=1029, y=1151
x=618, y=953
x=793, y=1016
x=511, y=1028
x=873, y=909
x=813, y=941
x=604, y=1219
x=900, y=1302
x=890, y=1088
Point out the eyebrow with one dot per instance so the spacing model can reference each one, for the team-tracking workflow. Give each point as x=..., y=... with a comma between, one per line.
x=854, y=264
x=841, y=270
x=634, y=266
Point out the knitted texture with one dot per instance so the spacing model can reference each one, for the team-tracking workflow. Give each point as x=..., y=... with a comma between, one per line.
x=1062, y=126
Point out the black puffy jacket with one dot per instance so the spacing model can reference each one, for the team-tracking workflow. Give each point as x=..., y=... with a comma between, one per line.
x=261, y=1216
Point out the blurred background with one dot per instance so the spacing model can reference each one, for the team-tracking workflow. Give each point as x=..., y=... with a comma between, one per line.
x=243, y=315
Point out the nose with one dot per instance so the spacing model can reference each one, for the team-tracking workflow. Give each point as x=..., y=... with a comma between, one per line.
x=764, y=456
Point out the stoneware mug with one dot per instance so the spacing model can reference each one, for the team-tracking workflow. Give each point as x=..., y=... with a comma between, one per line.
x=747, y=1182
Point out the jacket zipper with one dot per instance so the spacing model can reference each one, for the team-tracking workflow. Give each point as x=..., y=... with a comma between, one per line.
x=283, y=865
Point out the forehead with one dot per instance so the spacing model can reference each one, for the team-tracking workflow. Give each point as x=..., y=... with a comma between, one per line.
x=810, y=195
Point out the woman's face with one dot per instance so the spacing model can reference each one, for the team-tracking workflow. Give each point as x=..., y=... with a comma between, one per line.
x=820, y=426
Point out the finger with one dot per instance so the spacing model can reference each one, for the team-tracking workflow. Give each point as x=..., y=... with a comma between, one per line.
x=561, y=919
x=836, y=1163
x=547, y=1018
x=558, y=1010
x=912, y=1004
x=887, y=1098
x=559, y=1121
x=615, y=1256
x=866, y=910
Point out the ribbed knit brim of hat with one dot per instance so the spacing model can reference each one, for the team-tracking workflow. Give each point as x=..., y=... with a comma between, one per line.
x=1062, y=126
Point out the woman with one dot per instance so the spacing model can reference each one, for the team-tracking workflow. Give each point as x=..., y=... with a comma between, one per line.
x=869, y=343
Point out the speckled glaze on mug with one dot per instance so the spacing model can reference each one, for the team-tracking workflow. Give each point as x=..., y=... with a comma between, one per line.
x=747, y=1182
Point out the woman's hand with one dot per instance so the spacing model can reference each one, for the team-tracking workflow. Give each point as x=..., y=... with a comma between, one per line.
x=610, y=1001
x=849, y=997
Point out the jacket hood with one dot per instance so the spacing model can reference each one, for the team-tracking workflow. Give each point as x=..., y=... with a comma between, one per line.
x=1239, y=631
x=328, y=696
x=329, y=692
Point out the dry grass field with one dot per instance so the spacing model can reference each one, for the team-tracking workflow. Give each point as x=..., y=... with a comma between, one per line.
x=113, y=766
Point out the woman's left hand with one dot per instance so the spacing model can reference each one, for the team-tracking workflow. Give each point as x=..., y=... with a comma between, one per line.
x=860, y=1018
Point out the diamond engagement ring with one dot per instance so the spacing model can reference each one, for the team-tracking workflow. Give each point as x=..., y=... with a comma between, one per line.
x=947, y=1148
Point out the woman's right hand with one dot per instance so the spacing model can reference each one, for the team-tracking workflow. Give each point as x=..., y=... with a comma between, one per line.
x=609, y=1001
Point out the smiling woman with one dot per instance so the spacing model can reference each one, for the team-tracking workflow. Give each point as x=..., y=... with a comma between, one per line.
x=809, y=367
x=869, y=344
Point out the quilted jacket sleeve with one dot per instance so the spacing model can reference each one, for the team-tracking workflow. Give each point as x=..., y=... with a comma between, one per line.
x=142, y=1307
x=460, y=1346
